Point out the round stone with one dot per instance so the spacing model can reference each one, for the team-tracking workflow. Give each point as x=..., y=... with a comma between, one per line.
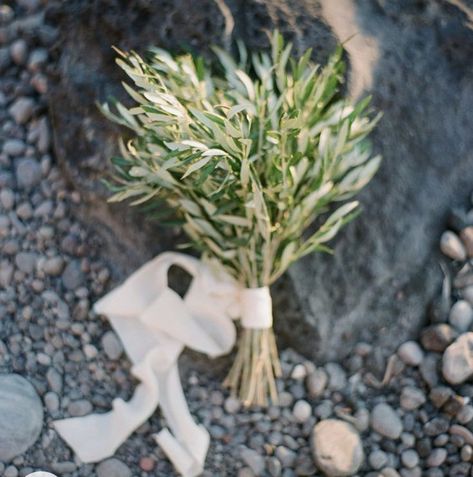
x=457, y=364
x=437, y=457
x=452, y=246
x=28, y=173
x=113, y=468
x=112, y=345
x=412, y=398
x=385, y=421
x=377, y=459
x=337, y=448
x=461, y=315
x=302, y=411
x=410, y=353
x=409, y=458
x=21, y=416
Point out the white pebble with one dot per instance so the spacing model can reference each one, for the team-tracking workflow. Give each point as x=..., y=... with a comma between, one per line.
x=301, y=411
x=461, y=315
x=411, y=353
x=452, y=246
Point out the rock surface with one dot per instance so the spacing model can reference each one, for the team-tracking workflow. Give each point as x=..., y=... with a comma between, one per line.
x=21, y=416
x=393, y=271
x=337, y=448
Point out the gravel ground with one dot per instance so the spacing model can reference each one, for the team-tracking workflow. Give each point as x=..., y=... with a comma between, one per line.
x=416, y=420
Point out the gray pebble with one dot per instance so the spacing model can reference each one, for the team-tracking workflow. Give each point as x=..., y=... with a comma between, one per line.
x=7, y=198
x=232, y=405
x=28, y=173
x=410, y=458
x=437, y=457
x=10, y=471
x=113, y=468
x=286, y=456
x=377, y=459
x=13, y=147
x=53, y=266
x=316, y=382
x=461, y=315
x=22, y=110
x=412, y=398
x=54, y=380
x=25, y=261
x=337, y=379
x=466, y=453
x=112, y=345
x=390, y=472
x=79, y=408
x=385, y=421
x=274, y=467
x=465, y=415
x=51, y=401
x=253, y=460
x=452, y=247
x=73, y=277
x=410, y=353
x=302, y=410
x=19, y=51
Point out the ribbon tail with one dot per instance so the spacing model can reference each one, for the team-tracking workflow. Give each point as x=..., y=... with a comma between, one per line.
x=187, y=446
x=97, y=436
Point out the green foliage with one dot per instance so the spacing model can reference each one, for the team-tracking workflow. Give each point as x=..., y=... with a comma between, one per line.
x=248, y=156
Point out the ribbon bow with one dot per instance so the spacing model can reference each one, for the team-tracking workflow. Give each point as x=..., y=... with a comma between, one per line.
x=154, y=324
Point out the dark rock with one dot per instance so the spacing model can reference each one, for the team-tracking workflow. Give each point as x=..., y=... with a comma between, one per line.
x=415, y=63
x=436, y=426
x=437, y=337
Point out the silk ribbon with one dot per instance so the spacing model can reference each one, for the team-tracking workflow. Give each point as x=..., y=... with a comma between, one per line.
x=155, y=324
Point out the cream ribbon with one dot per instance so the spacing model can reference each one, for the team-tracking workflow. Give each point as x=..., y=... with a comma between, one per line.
x=154, y=324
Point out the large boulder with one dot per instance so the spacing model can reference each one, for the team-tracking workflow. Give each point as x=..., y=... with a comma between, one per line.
x=413, y=59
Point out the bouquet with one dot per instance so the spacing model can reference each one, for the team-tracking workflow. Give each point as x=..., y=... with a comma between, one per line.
x=256, y=157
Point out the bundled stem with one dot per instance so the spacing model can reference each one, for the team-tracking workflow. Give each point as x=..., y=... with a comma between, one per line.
x=253, y=374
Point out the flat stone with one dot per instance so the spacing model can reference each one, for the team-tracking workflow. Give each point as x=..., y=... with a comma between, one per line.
x=337, y=448
x=21, y=416
x=385, y=421
x=113, y=468
x=13, y=147
x=22, y=110
x=457, y=364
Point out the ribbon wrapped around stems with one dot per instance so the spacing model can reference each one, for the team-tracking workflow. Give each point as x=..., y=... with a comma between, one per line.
x=155, y=324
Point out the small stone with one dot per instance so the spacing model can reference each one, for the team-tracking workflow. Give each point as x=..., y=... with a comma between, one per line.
x=390, y=472
x=25, y=261
x=410, y=353
x=274, y=467
x=37, y=59
x=465, y=415
x=385, y=421
x=466, y=236
x=437, y=457
x=377, y=459
x=232, y=405
x=13, y=147
x=466, y=453
x=316, y=383
x=463, y=432
x=452, y=246
x=112, y=345
x=362, y=419
x=22, y=110
x=337, y=379
x=6, y=274
x=409, y=458
x=113, y=468
x=436, y=426
x=54, y=380
x=457, y=364
x=412, y=398
x=28, y=173
x=302, y=411
x=73, y=277
x=424, y=447
x=7, y=199
x=51, y=401
x=461, y=315
x=337, y=448
x=79, y=408
x=21, y=416
x=147, y=464
x=10, y=471
x=437, y=337
x=53, y=266
x=253, y=460
x=44, y=137
x=440, y=395
x=18, y=51
x=428, y=369
x=286, y=456
x=299, y=372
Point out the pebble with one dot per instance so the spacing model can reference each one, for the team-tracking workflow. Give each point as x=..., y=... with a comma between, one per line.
x=452, y=246
x=377, y=459
x=51, y=401
x=19, y=51
x=10, y=471
x=13, y=147
x=111, y=345
x=113, y=468
x=457, y=364
x=54, y=380
x=465, y=415
x=316, y=382
x=22, y=110
x=436, y=426
x=302, y=411
x=79, y=408
x=21, y=416
x=232, y=405
x=337, y=448
x=53, y=266
x=410, y=353
x=466, y=236
x=461, y=316
x=440, y=395
x=28, y=173
x=409, y=458
x=437, y=337
x=72, y=277
x=253, y=460
x=437, y=457
x=25, y=261
x=385, y=421
x=412, y=398
x=147, y=464
x=7, y=198
x=337, y=379
x=466, y=453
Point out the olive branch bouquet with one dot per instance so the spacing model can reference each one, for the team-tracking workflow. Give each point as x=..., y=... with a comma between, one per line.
x=249, y=154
